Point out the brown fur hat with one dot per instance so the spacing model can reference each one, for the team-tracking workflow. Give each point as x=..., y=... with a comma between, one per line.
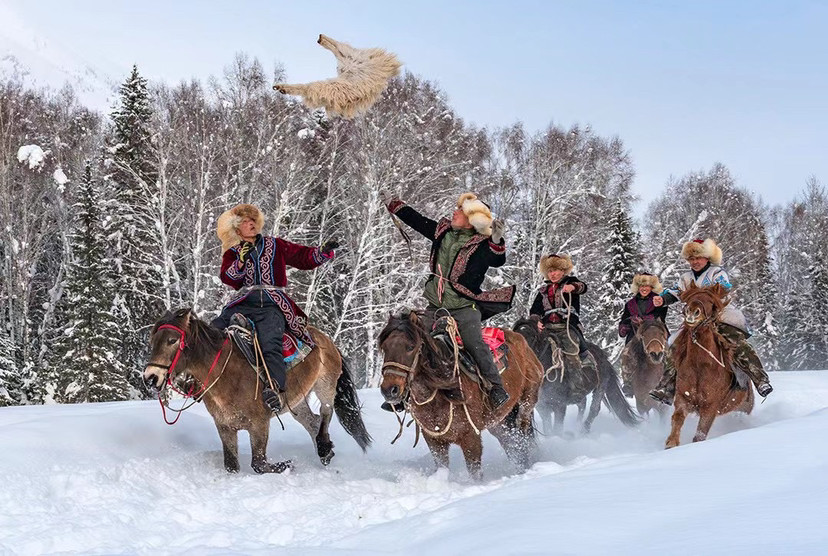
x=645, y=279
x=230, y=220
x=558, y=261
x=702, y=248
x=478, y=213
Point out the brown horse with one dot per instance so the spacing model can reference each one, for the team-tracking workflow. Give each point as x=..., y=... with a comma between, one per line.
x=231, y=390
x=702, y=358
x=417, y=372
x=556, y=392
x=643, y=362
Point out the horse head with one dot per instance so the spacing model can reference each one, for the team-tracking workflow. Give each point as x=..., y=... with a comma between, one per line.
x=703, y=305
x=168, y=343
x=653, y=337
x=410, y=353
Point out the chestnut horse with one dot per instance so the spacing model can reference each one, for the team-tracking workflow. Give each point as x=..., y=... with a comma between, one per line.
x=417, y=371
x=702, y=358
x=231, y=390
x=555, y=392
x=643, y=362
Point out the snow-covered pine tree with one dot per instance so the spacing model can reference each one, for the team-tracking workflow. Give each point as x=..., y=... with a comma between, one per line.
x=9, y=377
x=133, y=228
x=623, y=259
x=85, y=360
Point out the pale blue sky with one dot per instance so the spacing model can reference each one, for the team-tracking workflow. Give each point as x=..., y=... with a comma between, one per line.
x=684, y=84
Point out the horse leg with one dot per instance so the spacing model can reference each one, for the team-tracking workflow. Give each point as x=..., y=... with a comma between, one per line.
x=679, y=415
x=706, y=419
x=230, y=444
x=581, y=410
x=472, y=447
x=324, y=446
x=545, y=411
x=313, y=424
x=259, y=431
x=560, y=415
x=439, y=451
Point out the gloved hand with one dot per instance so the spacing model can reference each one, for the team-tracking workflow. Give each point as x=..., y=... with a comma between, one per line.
x=498, y=227
x=244, y=252
x=386, y=197
x=329, y=246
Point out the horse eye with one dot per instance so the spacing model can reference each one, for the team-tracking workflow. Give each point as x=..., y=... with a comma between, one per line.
x=171, y=341
x=409, y=347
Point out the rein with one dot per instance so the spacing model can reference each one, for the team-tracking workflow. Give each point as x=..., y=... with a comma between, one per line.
x=706, y=322
x=195, y=396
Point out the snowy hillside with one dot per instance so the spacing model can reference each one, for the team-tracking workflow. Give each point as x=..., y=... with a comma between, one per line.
x=41, y=62
x=114, y=479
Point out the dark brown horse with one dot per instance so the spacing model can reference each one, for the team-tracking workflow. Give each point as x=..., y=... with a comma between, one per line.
x=702, y=358
x=417, y=371
x=643, y=362
x=556, y=392
x=232, y=392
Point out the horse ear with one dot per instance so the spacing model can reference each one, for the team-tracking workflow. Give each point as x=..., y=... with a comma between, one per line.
x=412, y=317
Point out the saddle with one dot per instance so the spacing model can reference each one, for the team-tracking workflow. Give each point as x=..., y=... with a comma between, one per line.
x=242, y=331
x=494, y=338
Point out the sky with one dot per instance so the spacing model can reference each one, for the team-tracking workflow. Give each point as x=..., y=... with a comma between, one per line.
x=683, y=84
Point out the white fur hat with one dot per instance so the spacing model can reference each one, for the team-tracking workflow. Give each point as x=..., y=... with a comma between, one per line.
x=230, y=220
x=645, y=279
x=558, y=261
x=478, y=213
x=702, y=248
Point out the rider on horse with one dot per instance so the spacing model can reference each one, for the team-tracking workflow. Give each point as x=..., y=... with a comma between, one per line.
x=558, y=304
x=462, y=250
x=254, y=264
x=645, y=288
x=705, y=257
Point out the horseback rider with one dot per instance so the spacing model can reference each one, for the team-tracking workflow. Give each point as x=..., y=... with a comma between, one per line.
x=462, y=250
x=558, y=305
x=645, y=288
x=255, y=265
x=705, y=258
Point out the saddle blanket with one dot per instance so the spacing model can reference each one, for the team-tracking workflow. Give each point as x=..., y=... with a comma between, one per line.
x=495, y=338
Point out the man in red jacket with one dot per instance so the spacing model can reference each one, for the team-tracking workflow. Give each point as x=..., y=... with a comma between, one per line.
x=255, y=265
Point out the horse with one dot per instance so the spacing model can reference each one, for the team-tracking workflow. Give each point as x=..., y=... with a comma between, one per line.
x=556, y=393
x=705, y=383
x=418, y=373
x=643, y=361
x=231, y=390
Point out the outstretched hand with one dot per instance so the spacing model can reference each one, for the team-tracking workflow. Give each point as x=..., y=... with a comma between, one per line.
x=385, y=196
x=658, y=301
x=569, y=288
x=328, y=247
x=498, y=227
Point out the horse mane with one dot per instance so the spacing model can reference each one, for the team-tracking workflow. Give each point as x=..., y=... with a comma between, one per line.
x=202, y=338
x=435, y=367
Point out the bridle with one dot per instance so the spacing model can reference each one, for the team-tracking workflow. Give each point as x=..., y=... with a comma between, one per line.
x=405, y=371
x=196, y=396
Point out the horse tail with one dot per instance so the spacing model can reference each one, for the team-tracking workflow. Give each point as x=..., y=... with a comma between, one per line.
x=614, y=396
x=348, y=408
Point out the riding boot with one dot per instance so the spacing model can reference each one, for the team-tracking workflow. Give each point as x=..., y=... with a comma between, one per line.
x=468, y=324
x=745, y=358
x=578, y=382
x=665, y=390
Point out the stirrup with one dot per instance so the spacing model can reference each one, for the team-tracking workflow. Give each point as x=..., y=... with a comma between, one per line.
x=764, y=388
x=271, y=399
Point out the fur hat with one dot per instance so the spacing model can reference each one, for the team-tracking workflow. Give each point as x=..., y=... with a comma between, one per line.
x=558, y=261
x=645, y=279
x=702, y=248
x=230, y=220
x=478, y=213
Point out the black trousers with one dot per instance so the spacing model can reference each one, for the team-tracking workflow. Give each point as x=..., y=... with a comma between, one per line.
x=270, y=326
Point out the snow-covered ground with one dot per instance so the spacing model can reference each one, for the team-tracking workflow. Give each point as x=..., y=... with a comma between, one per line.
x=114, y=479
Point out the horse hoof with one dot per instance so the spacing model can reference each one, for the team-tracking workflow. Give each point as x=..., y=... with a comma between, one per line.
x=278, y=467
x=326, y=459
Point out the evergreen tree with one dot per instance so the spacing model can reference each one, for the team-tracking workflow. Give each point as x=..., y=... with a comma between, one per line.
x=623, y=258
x=86, y=367
x=133, y=226
x=9, y=384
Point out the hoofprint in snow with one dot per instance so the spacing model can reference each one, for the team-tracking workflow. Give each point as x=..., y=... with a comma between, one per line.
x=112, y=478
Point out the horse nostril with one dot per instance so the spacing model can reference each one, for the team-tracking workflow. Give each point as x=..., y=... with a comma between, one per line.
x=395, y=390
